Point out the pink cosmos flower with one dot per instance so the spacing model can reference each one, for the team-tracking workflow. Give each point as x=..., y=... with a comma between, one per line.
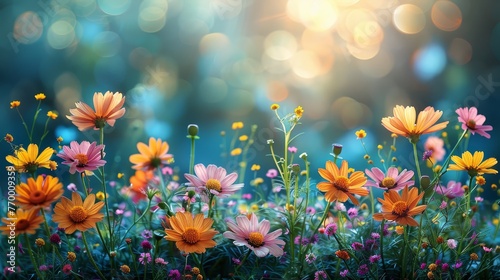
x=436, y=145
x=453, y=189
x=213, y=179
x=82, y=157
x=254, y=235
x=473, y=121
x=391, y=181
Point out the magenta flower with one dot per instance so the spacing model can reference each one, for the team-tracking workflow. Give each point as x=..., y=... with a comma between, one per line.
x=82, y=157
x=453, y=189
x=213, y=179
x=271, y=173
x=391, y=181
x=473, y=121
x=254, y=235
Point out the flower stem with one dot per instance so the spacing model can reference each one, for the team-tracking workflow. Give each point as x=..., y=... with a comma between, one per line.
x=191, y=155
x=108, y=218
x=417, y=165
x=405, y=241
x=47, y=230
x=33, y=261
x=242, y=261
x=382, y=245
x=89, y=254
x=135, y=222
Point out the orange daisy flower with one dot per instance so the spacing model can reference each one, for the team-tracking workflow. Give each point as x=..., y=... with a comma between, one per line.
x=75, y=215
x=21, y=222
x=40, y=193
x=340, y=186
x=108, y=108
x=473, y=164
x=191, y=235
x=406, y=123
x=139, y=184
x=29, y=160
x=401, y=208
x=152, y=156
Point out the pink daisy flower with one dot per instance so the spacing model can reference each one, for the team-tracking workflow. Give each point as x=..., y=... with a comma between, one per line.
x=213, y=179
x=393, y=180
x=247, y=231
x=453, y=189
x=436, y=145
x=82, y=157
x=473, y=121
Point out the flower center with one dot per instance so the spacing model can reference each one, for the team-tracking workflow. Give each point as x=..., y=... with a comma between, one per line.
x=100, y=122
x=255, y=239
x=400, y=208
x=191, y=235
x=82, y=159
x=471, y=124
x=213, y=184
x=341, y=183
x=22, y=224
x=37, y=197
x=155, y=162
x=78, y=214
x=388, y=182
x=31, y=167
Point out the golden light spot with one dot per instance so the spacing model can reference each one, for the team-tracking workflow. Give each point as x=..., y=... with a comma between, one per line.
x=409, y=19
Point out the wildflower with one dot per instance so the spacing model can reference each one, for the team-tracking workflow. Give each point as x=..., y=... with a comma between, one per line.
x=439, y=240
x=43, y=267
x=339, y=186
x=310, y=210
x=213, y=180
x=357, y=246
x=246, y=196
x=480, y=180
x=108, y=108
x=39, y=242
x=55, y=239
x=26, y=222
x=298, y=111
x=457, y=265
x=486, y=249
x=195, y=270
x=236, y=152
x=452, y=190
x=8, y=138
x=443, y=205
x=174, y=274
x=100, y=195
x=67, y=269
x=435, y=146
x=125, y=268
x=406, y=123
x=352, y=212
x=363, y=270
x=71, y=256
x=139, y=183
x=275, y=107
x=430, y=275
x=272, y=173
x=191, y=234
x=344, y=273
x=146, y=246
x=380, y=147
x=342, y=254
x=53, y=115
x=247, y=231
x=15, y=104
x=320, y=274
x=473, y=121
x=400, y=230
x=237, y=125
x=29, y=160
x=401, y=208
x=374, y=258
x=479, y=199
x=452, y=243
x=360, y=134
x=75, y=215
x=292, y=149
x=255, y=167
x=494, y=186
x=147, y=234
x=236, y=261
x=336, y=149
x=145, y=258
x=445, y=267
x=473, y=164
x=310, y=258
x=393, y=180
x=40, y=193
x=151, y=156
x=82, y=157
x=375, y=235
x=423, y=266
x=160, y=261
x=331, y=229
x=474, y=257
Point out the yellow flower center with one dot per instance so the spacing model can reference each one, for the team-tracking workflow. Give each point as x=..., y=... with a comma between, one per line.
x=400, y=208
x=22, y=224
x=82, y=159
x=37, y=197
x=191, y=235
x=213, y=184
x=341, y=183
x=471, y=124
x=388, y=182
x=78, y=214
x=256, y=239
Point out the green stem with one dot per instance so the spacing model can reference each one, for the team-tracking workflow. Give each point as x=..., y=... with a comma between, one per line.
x=242, y=261
x=47, y=230
x=35, y=117
x=403, y=267
x=33, y=261
x=24, y=124
x=135, y=222
x=382, y=245
x=45, y=131
x=417, y=165
x=134, y=260
x=89, y=254
x=191, y=156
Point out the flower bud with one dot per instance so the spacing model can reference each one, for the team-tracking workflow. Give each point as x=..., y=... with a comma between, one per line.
x=337, y=149
x=192, y=130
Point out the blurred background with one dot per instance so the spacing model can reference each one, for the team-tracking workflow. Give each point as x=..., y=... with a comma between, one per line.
x=214, y=62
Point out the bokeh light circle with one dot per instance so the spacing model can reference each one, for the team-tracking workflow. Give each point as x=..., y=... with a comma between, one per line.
x=318, y=15
x=409, y=19
x=306, y=64
x=446, y=15
x=277, y=91
x=28, y=28
x=114, y=7
x=107, y=44
x=280, y=45
x=460, y=51
x=152, y=15
x=61, y=34
x=212, y=90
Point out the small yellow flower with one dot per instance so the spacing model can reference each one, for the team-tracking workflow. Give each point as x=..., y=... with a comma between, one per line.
x=39, y=242
x=195, y=270
x=437, y=168
x=400, y=230
x=494, y=186
x=495, y=220
x=444, y=134
x=71, y=256
x=52, y=165
x=289, y=207
x=53, y=115
x=394, y=135
x=360, y=134
x=480, y=180
x=366, y=156
x=254, y=207
x=236, y=152
x=257, y=181
x=8, y=138
x=394, y=159
x=432, y=267
x=120, y=175
x=453, y=203
x=237, y=125
x=430, y=275
x=15, y=104
x=380, y=147
x=125, y=268
x=199, y=277
x=474, y=257
x=299, y=111
x=59, y=139
x=40, y=96
x=255, y=167
x=275, y=107
x=363, y=206
x=243, y=138
x=370, y=161
x=100, y=195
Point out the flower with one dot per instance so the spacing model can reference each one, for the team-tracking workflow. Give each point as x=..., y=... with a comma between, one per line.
x=310, y=258
x=390, y=181
x=40, y=96
x=298, y=111
x=401, y=208
x=108, y=108
x=213, y=179
x=436, y=147
x=138, y=184
x=275, y=107
x=247, y=231
x=75, y=215
x=191, y=235
x=473, y=164
x=453, y=189
x=29, y=160
x=125, y=268
x=152, y=156
x=82, y=157
x=8, y=138
x=331, y=229
x=339, y=186
x=360, y=134
x=67, y=269
x=71, y=256
x=236, y=152
x=25, y=222
x=53, y=115
x=145, y=258
x=406, y=123
x=272, y=173
x=40, y=193
x=452, y=243
x=15, y=104
x=237, y=125
x=473, y=121
x=343, y=254
x=39, y=242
